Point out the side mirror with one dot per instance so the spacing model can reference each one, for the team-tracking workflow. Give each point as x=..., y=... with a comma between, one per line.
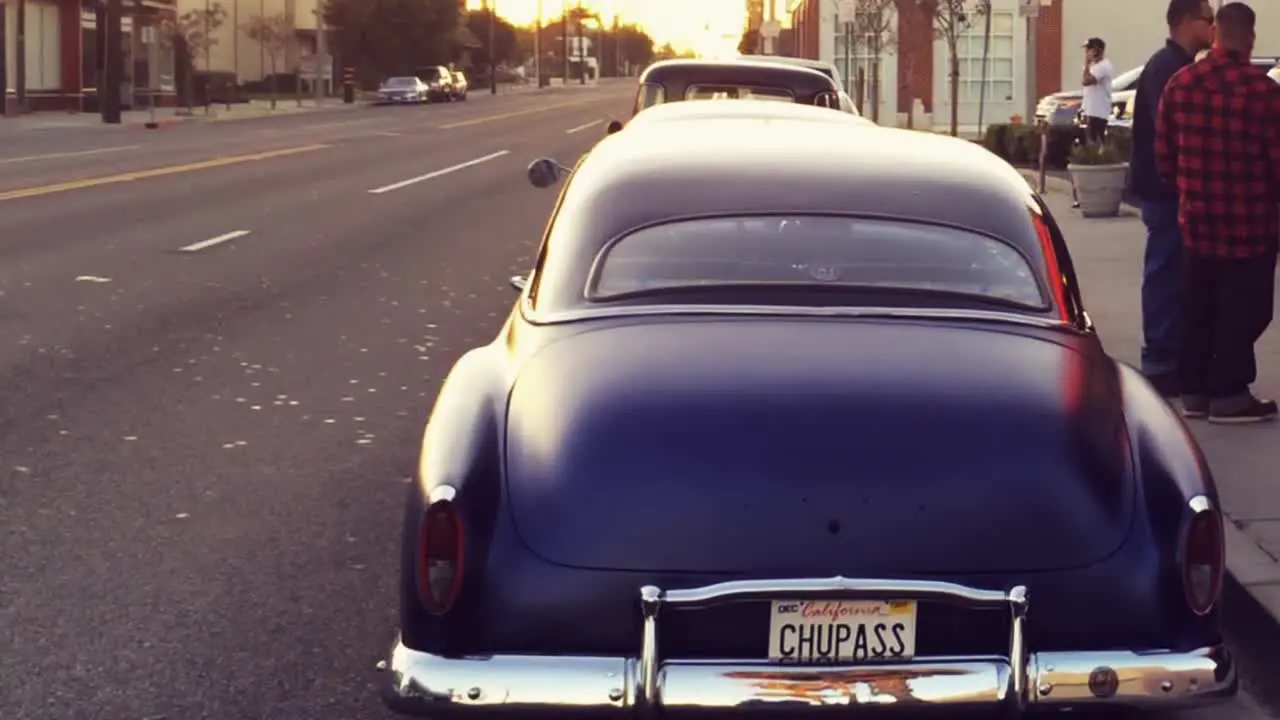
x=544, y=172
x=614, y=126
x=519, y=282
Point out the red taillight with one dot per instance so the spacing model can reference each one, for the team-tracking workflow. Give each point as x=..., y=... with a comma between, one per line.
x=1203, y=558
x=439, y=557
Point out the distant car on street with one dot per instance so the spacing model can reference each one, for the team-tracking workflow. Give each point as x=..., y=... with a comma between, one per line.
x=680, y=80
x=439, y=82
x=793, y=414
x=402, y=90
x=460, y=86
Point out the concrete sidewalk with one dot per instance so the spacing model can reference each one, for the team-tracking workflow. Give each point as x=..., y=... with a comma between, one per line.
x=1245, y=459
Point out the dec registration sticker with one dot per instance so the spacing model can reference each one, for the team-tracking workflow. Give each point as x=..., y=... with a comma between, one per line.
x=841, y=631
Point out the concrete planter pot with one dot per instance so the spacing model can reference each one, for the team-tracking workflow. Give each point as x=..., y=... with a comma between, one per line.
x=1099, y=188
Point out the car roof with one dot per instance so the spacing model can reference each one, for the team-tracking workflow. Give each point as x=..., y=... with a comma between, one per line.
x=712, y=110
x=724, y=71
x=820, y=65
x=782, y=161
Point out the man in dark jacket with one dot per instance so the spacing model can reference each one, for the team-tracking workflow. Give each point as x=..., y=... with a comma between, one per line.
x=1218, y=140
x=1190, y=31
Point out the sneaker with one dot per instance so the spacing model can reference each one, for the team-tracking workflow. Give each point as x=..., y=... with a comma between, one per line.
x=1247, y=410
x=1195, y=406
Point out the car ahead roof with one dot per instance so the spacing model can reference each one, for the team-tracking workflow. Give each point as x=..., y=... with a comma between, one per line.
x=741, y=164
x=821, y=66
x=764, y=110
x=721, y=71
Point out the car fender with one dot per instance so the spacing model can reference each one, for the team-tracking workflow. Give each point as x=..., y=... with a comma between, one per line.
x=1172, y=469
x=461, y=450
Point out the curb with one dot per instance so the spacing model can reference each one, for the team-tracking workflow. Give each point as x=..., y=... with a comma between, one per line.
x=1251, y=612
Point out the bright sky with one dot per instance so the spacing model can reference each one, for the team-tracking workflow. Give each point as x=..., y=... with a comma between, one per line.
x=710, y=27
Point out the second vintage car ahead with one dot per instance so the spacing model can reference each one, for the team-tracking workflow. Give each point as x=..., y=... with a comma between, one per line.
x=801, y=414
x=679, y=80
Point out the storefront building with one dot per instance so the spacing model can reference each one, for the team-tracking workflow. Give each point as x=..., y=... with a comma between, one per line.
x=912, y=78
x=61, y=54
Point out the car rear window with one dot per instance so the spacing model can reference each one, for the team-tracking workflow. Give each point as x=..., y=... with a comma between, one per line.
x=401, y=82
x=738, y=92
x=816, y=252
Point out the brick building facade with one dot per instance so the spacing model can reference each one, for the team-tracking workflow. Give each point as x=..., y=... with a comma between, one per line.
x=61, y=54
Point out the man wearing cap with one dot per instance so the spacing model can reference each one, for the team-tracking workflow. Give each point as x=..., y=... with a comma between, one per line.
x=1098, y=73
x=1096, y=108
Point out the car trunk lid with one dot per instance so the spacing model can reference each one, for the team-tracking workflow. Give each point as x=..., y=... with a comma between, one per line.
x=818, y=448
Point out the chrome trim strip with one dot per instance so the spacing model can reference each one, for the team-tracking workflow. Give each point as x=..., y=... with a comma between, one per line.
x=513, y=686
x=629, y=311
x=652, y=598
x=1200, y=504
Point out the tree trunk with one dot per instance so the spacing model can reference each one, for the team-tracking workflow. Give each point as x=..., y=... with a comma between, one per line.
x=275, y=80
x=955, y=88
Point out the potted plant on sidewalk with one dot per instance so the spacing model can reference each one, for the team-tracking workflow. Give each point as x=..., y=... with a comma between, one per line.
x=1099, y=173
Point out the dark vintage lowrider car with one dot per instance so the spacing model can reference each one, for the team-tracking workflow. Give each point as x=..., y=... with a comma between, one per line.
x=678, y=80
x=808, y=421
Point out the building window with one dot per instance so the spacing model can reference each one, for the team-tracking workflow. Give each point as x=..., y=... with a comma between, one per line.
x=999, y=60
x=853, y=52
x=44, y=56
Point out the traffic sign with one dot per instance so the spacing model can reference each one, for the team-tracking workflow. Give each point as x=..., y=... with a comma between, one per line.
x=770, y=29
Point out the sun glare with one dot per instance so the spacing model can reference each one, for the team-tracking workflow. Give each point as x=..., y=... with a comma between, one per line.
x=707, y=27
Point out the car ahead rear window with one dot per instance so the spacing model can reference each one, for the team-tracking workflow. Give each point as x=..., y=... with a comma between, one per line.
x=401, y=82
x=737, y=92
x=814, y=252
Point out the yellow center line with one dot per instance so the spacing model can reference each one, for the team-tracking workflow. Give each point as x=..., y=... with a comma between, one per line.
x=517, y=113
x=152, y=172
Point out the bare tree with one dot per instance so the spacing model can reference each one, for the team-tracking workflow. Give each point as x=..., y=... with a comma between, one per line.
x=875, y=27
x=951, y=19
x=192, y=34
x=276, y=34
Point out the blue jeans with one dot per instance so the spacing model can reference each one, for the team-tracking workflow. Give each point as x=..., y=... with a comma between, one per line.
x=1161, y=287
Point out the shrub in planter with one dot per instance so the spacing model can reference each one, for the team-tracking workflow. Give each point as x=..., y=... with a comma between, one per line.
x=1099, y=173
x=996, y=139
x=1121, y=138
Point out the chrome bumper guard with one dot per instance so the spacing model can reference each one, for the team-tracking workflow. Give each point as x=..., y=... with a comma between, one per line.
x=426, y=685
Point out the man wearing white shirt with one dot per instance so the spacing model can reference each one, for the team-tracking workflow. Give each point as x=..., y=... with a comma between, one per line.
x=1096, y=108
x=1097, y=77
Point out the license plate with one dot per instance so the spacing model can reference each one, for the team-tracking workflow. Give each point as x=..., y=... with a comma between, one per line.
x=842, y=631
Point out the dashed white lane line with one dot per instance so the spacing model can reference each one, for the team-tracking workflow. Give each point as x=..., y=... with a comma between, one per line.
x=78, y=153
x=582, y=127
x=438, y=173
x=225, y=237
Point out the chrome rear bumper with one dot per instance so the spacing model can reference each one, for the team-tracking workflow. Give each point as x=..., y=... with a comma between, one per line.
x=426, y=685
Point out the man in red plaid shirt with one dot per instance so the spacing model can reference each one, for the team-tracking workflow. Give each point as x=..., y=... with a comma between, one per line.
x=1218, y=143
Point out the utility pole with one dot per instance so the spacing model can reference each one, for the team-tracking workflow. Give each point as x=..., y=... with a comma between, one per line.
x=537, y=45
x=322, y=56
x=564, y=36
x=20, y=72
x=581, y=50
x=493, y=60
x=111, y=62
x=4, y=60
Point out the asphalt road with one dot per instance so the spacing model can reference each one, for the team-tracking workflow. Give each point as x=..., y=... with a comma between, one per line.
x=218, y=347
